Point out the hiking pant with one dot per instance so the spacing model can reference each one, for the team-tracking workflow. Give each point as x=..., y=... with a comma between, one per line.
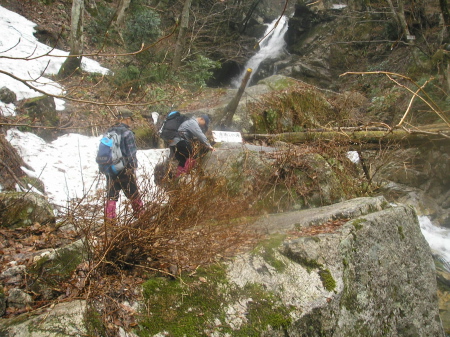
x=125, y=181
x=183, y=150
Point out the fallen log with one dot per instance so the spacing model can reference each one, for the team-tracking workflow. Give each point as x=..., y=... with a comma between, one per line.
x=354, y=136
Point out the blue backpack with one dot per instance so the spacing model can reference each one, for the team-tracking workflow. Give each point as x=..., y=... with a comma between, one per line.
x=109, y=156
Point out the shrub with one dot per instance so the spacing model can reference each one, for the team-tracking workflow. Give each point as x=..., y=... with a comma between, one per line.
x=292, y=110
x=141, y=27
x=198, y=70
x=97, y=27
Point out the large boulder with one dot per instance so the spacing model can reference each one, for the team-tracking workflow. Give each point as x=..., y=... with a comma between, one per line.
x=19, y=209
x=358, y=268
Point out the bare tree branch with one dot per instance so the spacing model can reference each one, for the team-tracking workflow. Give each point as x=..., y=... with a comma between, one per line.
x=427, y=99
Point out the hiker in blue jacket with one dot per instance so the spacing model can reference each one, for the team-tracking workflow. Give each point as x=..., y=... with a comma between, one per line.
x=182, y=145
x=125, y=180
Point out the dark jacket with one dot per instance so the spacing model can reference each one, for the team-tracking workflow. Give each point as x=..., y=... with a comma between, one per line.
x=127, y=144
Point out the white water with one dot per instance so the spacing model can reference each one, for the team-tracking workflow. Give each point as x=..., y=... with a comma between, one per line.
x=438, y=238
x=271, y=47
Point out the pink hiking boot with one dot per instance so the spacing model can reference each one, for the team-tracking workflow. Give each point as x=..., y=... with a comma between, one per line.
x=110, y=209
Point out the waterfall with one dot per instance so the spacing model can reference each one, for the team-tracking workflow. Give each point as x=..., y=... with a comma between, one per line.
x=271, y=47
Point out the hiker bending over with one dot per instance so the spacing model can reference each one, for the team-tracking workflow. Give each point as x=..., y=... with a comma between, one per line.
x=124, y=180
x=182, y=144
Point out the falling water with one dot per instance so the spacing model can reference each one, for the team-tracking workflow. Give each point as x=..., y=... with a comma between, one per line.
x=271, y=47
x=438, y=238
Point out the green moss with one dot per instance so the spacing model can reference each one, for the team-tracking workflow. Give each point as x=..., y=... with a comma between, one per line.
x=350, y=300
x=345, y=262
x=400, y=232
x=46, y=274
x=146, y=136
x=193, y=305
x=327, y=279
x=289, y=110
x=93, y=323
x=358, y=223
x=267, y=250
x=384, y=205
x=261, y=310
x=308, y=264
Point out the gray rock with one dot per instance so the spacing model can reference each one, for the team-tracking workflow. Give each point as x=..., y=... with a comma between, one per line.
x=42, y=111
x=65, y=319
x=371, y=274
x=380, y=275
x=17, y=298
x=19, y=209
x=7, y=96
x=13, y=274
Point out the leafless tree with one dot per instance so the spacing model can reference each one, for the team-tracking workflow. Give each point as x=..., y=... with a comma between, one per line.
x=73, y=62
x=176, y=61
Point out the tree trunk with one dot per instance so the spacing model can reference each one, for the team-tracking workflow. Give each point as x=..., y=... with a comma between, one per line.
x=249, y=15
x=229, y=111
x=120, y=14
x=399, y=17
x=73, y=62
x=176, y=61
x=446, y=16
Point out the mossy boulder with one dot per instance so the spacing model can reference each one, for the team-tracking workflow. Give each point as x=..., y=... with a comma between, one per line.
x=208, y=304
x=42, y=111
x=373, y=280
x=146, y=136
x=7, y=96
x=20, y=209
x=53, y=267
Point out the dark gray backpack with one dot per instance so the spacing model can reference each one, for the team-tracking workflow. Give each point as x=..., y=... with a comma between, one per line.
x=169, y=128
